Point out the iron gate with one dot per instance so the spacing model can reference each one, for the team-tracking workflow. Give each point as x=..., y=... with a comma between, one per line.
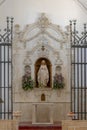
x=78, y=71
x=6, y=107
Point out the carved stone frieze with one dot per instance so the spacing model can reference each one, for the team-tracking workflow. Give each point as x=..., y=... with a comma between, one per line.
x=58, y=60
x=39, y=91
x=43, y=52
x=27, y=60
x=42, y=49
x=43, y=22
x=37, y=41
x=42, y=26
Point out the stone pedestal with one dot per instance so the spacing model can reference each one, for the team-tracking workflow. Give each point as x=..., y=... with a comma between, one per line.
x=34, y=113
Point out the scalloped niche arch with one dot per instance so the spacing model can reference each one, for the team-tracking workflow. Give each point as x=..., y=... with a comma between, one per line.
x=49, y=66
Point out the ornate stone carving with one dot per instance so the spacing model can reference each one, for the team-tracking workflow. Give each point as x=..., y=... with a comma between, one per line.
x=46, y=91
x=43, y=22
x=43, y=52
x=41, y=39
x=58, y=60
x=27, y=60
x=17, y=32
x=38, y=41
x=41, y=28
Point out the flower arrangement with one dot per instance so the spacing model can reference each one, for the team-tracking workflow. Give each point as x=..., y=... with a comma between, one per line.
x=58, y=81
x=27, y=82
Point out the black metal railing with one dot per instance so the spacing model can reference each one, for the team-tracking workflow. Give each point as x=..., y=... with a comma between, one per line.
x=6, y=37
x=78, y=71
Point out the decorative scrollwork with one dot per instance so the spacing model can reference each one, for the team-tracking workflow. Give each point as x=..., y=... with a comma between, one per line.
x=42, y=27
x=43, y=22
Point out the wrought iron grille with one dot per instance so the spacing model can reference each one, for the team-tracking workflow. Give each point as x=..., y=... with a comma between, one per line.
x=78, y=71
x=6, y=107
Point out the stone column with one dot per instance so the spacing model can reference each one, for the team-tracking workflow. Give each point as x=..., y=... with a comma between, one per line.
x=51, y=113
x=34, y=113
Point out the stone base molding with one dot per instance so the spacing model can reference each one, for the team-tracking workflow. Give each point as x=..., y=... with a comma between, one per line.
x=8, y=125
x=74, y=125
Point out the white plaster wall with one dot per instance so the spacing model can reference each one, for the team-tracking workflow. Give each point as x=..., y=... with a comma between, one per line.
x=6, y=9
x=59, y=11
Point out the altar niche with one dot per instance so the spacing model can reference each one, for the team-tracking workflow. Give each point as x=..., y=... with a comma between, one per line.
x=37, y=67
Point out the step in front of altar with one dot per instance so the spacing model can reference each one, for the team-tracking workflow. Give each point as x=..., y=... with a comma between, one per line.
x=45, y=126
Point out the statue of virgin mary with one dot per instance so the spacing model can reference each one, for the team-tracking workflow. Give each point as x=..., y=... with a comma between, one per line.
x=43, y=74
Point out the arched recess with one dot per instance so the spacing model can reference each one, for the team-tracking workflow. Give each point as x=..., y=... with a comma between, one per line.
x=49, y=66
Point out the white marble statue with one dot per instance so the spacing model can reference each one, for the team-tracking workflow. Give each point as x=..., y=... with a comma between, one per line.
x=43, y=75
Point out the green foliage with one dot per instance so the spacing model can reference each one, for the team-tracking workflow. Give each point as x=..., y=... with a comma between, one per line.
x=41, y=85
x=58, y=85
x=58, y=82
x=27, y=83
